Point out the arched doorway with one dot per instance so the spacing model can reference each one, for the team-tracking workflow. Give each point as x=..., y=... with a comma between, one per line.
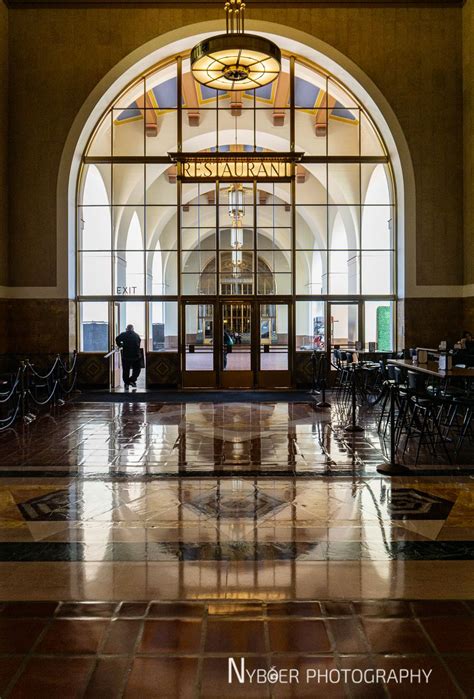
x=316, y=249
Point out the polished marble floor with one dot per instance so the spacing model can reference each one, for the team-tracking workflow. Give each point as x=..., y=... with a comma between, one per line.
x=229, y=506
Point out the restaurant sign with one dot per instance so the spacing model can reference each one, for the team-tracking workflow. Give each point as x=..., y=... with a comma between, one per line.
x=235, y=167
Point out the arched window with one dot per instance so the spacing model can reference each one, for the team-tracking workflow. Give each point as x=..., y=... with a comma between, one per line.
x=322, y=238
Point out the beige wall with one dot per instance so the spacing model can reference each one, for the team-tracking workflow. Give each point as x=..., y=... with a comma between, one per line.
x=58, y=56
x=468, y=87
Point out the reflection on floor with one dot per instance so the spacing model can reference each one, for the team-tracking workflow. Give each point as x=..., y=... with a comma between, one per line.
x=239, y=507
x=181, y=650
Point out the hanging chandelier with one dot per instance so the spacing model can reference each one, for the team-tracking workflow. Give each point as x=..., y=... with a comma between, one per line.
x=235, y=60
x=236, y=201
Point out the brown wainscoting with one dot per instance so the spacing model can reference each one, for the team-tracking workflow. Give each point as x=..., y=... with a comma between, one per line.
x=92, y=370
x=3, y=325
x=162, y=369
x=468, y=314
x=43, y=326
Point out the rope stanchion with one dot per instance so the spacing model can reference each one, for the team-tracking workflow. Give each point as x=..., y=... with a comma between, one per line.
x=58, y=383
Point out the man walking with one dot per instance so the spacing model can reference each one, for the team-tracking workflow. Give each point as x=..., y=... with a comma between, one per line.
x=130, y=342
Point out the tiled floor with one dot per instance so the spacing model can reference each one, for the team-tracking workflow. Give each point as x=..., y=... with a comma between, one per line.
x=234, y=517
x=182, y=649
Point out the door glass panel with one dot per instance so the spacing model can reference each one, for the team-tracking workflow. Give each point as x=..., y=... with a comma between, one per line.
x=237, y=336
x=163, y=335
x=199, y=337
x=344, y=325
x=310, y=326
x=94, y=326
x=273, y=336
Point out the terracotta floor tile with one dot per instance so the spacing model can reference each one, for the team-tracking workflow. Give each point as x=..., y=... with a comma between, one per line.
x=215, y=680
x=355, y=688
x=87, y=609
x=462, y=668
x=170, y=637
x=338, y=608
x=307, y=686
x=236, y=609
x=293, y=636
x=422, y=608
x=348, y=635
x=163, y=678
x=107, y=679
x=51, y=678
x=440, y=685
x=8, y=667
x=74, y=636
x=395, y=636
x=132, y=609
x=451, y=634
x=175, y=610
x=301, y=609
x=383, y=608
x=122, y=636
x=234, y=636
x=27, y=609
x=18, y=635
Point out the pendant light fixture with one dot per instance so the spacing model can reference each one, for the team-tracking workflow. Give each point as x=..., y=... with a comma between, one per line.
x=235, y=60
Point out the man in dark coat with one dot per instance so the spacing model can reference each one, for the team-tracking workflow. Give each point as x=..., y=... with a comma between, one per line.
x=130, y=342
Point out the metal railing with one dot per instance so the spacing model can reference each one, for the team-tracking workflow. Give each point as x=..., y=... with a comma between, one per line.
x=28, y=390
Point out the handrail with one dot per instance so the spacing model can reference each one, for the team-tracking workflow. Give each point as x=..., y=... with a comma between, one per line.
x=24, y=396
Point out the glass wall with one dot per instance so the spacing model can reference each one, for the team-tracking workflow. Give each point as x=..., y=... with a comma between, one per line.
x=327, y=235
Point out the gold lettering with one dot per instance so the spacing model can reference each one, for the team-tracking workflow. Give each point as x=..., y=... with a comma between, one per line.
x=237, y=169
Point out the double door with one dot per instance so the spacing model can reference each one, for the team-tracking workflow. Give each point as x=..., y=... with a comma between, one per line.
x=236, y=343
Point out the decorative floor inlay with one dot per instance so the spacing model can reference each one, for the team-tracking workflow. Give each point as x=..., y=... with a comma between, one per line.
x=271, y=500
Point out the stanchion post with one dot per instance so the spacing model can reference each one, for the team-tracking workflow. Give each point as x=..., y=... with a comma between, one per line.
x=354, y=427
x=324, y=363
x=393, y=468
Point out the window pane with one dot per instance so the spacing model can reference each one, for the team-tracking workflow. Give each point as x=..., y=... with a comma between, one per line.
x=311, y=184
x=273, y=337
x=379, y=325
x=94, y=326
x=311, y=272
x=310, y=325
x=95, y=273
x=129, y=272
x=94, y=228
x=128, y=131
x=162, y=273
x=311, y=227
x=377, y=275
x=377, y=227
x=343, y=131
x=344, y=183
x=195, y=284
x=344, y=272
x=164, y=326
x=376, y=184
x=199, y=337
